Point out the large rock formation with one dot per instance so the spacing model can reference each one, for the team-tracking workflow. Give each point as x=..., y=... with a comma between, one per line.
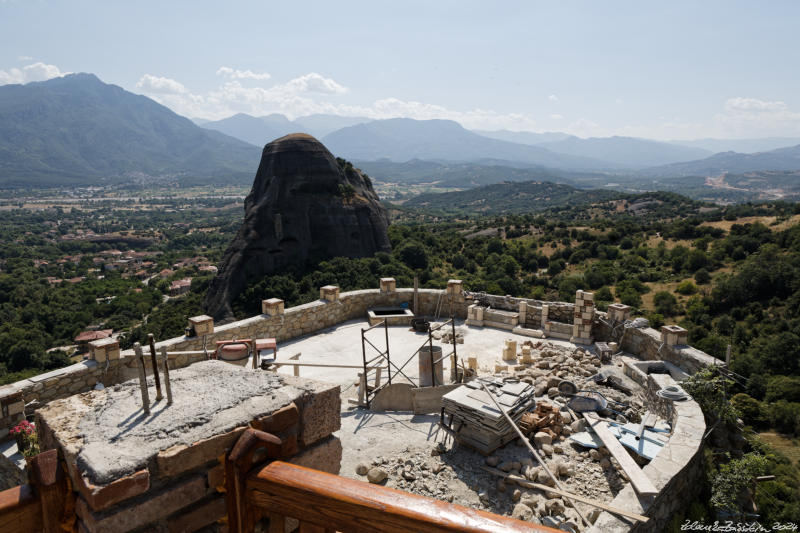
x=304, y=206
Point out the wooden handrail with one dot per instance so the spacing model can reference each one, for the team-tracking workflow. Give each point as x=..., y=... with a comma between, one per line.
x=334, y=503
x=20, y=510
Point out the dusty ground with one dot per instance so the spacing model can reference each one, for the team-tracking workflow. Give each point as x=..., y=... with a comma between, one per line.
x=419, y=457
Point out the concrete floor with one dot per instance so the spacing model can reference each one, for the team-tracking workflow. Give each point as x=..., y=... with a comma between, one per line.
x=342, y=345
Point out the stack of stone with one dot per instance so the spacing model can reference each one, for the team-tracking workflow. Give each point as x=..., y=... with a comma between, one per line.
x=584, y=314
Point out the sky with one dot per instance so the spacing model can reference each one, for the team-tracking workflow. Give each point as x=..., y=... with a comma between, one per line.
x=661, y=70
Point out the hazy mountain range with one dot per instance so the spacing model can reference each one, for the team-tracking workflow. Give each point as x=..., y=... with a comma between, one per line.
x=79, y=130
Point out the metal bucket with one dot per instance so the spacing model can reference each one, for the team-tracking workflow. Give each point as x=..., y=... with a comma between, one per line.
x=425, y=366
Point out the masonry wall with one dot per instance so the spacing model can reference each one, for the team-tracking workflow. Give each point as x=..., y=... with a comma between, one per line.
x=295, y=322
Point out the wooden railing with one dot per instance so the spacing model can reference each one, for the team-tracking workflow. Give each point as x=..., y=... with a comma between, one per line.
x=47, y=505
x=324, y=503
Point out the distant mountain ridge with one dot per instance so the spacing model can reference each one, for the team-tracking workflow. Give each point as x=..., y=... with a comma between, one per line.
x=77, y=130
x=404, y=139
x=780, y=159
x=262, y=130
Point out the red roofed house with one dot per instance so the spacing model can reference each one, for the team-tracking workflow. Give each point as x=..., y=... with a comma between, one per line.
x=85, y=337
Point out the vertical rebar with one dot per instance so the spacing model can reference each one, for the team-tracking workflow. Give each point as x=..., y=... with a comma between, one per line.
x=430, y=348
x=137, y=349
x=152, y=341
x=388, y=360
x=364, y=358
x=455, y=353
x=167, y=384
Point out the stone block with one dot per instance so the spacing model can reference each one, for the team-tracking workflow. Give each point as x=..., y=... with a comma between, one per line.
x=280, y=420
x=325, y=456
x=320, y=409
x=104, y=496
x=202, y=325
x=203, y=514
x=674, y=335
x=388, y=285
x=272, y=307
x=16, y=408
x=181, y=458
x=455, y=287
x=329, y=293
x=148, y=511
x=99, y=350
x=619, y=312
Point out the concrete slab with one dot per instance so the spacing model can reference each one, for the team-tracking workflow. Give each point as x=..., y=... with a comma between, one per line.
x=342, y=345
x=110, y=436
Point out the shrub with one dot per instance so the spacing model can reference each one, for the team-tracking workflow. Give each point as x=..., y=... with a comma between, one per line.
x=686, y=287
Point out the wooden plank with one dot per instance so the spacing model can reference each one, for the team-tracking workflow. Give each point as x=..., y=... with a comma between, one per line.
x=527, y=443
x=639, y=480
x=353, y=506
x=20, y=510
x=521, y=481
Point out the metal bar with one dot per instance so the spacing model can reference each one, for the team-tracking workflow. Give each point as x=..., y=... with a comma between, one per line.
x=364, y=359
x=152, y=341
x=379, y=356
x=374, y=326
x=373, y=346
x=386, y=330
x=137, y=349
x=455, y=354
x=433, y=365
x=167, y=384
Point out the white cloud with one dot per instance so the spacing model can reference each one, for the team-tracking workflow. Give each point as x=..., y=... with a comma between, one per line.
x=34, y=72
x=553, y=98
x=556, y=116
x=313, y=82
x=236, y=74
x=156, y=84
x=24, y=58
x=744, y=116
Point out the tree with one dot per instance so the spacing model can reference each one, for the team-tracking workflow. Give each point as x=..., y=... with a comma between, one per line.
x=665, y=303
x=414, y=255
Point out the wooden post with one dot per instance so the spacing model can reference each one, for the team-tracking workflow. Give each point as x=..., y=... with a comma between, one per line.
x=51, y=485
x=152, y=341
x=378, y=377
x=137, y=349
x=166, y=375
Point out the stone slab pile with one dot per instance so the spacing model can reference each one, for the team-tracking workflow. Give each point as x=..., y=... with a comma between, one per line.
x=476, y=420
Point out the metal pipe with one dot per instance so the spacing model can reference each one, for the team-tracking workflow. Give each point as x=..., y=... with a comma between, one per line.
x=137, y=349
x=455, y=353
x=386, y=329
x=364, y=358
x=433, y=365
x=152, y=341
x=167, y=384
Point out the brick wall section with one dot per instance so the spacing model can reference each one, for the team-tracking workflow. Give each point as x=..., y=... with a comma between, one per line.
x=182, y=487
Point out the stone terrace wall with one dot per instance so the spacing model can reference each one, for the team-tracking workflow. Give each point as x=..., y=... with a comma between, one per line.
x=558, y=311
x=296, y=321
x=674, y=471
x=647, y=344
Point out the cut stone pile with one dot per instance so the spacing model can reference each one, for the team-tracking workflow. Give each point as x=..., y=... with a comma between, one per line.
x=553, y=363
x=446, y=336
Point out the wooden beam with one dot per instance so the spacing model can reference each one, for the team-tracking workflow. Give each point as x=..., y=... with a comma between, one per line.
x=530, y=448
x=521, y=481
x=20, y=510
x=639, y=480
x=343, y=504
